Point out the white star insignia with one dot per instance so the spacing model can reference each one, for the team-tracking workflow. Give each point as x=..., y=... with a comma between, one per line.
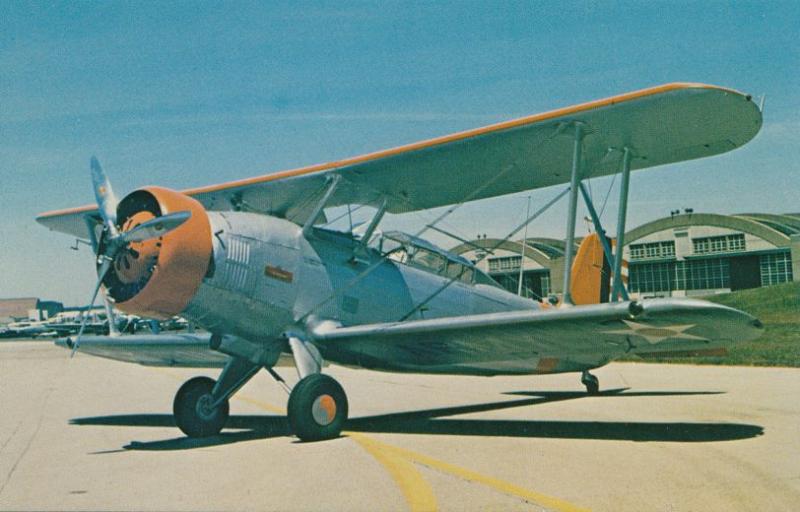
x=656, y=334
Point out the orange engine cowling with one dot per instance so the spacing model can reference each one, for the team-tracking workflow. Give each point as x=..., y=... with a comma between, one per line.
x=158, y=277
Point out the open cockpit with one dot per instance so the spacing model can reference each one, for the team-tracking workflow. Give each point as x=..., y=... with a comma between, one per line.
x=419, y=253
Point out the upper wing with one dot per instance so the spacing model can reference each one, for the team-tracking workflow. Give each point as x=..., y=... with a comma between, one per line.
x=563, y=339
x=664, y=124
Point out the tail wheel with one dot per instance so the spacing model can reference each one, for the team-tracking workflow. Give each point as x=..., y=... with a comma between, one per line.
x=591, y=382
x=193, y=412
x=317, y=408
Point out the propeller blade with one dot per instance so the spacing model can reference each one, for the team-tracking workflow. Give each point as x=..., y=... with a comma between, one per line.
x=101, y=274
x=155, y=228
x=106, y=200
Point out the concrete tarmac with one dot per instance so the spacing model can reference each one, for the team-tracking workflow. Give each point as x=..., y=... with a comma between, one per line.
x=93, y=434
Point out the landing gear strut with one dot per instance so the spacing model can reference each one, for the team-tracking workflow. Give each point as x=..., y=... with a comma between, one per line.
x=317, y=406
x=591, y=382
x=201, y=404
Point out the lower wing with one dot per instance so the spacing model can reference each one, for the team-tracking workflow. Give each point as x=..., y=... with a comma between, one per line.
x=184, y=350
x=540, y=341
x=520, y=342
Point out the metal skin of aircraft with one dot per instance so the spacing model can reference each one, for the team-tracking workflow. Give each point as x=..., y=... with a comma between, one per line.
x=247, y=262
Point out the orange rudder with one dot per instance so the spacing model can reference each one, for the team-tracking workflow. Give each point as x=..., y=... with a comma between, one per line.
x=591, y=273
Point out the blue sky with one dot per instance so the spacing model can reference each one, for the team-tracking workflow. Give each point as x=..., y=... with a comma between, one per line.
x=188, y=94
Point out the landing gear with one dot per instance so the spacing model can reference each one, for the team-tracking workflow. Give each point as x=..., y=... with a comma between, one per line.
x=591, y=382
x=317, y=408
x=193, y=408
x=201, y=404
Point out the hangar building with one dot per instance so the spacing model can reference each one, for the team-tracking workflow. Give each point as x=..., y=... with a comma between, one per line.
x=28, y=308
x=682, y=255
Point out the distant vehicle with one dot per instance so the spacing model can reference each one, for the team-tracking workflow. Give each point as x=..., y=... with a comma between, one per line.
x=175, y=323
x=248, y=262
x=29, y=328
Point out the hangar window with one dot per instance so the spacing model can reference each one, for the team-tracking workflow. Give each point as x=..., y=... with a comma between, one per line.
x=707, y=274
x=652, y=250
x=504, y=264
x=652, y=277
x=723, y=243
x=775, y=268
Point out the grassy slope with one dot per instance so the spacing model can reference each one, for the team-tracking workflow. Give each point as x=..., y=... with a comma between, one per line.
x=778, y=307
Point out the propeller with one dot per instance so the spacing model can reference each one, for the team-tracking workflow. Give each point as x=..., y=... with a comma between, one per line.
x=104, y=194
x=116, y=241
x=154, y=228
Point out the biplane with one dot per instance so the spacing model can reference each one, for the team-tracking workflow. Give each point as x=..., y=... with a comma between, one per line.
x=251, y=262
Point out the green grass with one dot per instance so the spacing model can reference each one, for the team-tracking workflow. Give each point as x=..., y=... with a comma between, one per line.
x=778, y=308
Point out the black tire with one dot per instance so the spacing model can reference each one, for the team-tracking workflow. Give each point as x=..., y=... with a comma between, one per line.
x=317, y=408
x=189, y=415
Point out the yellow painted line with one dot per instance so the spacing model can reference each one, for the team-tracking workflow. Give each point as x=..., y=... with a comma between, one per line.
x=258, y=403
x=415, y=488
x=473, y=476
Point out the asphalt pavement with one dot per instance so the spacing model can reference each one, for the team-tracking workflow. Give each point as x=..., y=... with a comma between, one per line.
x=92, y=434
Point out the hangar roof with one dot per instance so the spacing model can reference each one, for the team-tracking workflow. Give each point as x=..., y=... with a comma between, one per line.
x=786, y=223
x=775, y=229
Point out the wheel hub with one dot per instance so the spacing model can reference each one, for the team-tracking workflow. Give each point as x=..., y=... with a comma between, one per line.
x=204, y=409
x=324, y=410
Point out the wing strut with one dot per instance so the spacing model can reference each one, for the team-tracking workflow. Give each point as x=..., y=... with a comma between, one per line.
x=373, y=224
x=619, y=288
x=598, y=227
x=569, y=252
x=332, y=182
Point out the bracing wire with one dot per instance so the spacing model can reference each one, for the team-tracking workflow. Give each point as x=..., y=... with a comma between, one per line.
x=486, y=254
x=608, y=193
x=467, y=198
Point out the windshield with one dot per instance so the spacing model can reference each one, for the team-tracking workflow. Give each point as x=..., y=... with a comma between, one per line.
x=402, y=249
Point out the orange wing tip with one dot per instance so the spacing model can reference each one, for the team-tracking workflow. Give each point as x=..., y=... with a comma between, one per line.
x=65, y=211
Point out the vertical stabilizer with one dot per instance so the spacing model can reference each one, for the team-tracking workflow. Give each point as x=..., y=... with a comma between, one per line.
x=591, y=273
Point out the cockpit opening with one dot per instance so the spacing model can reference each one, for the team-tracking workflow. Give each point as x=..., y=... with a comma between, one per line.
x=417, y=252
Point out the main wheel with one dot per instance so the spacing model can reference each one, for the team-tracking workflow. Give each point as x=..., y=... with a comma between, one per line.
x=317, y=408
x=192, y=410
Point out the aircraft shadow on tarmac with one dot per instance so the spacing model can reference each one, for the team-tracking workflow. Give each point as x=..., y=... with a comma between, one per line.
x=429, y=422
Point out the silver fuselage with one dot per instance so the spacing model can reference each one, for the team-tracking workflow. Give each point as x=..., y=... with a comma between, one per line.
x=267, y=278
